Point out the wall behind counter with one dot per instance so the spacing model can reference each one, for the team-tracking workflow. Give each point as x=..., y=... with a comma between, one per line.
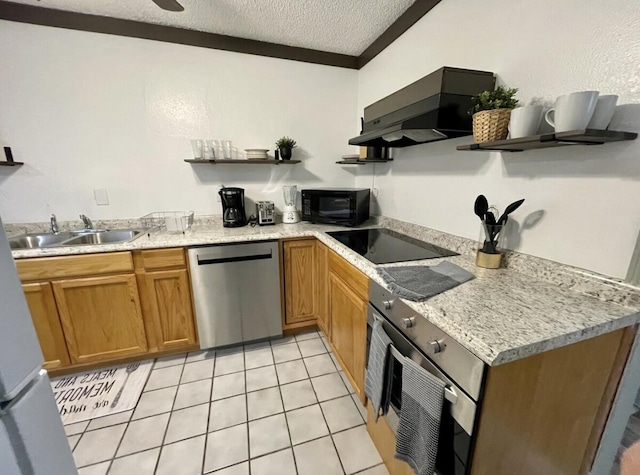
x=582, y=204
x=86, y=111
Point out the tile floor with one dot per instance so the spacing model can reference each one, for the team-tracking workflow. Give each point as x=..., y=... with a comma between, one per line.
x=280, y=407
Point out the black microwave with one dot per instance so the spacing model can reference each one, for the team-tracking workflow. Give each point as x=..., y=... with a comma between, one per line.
x=342, y=206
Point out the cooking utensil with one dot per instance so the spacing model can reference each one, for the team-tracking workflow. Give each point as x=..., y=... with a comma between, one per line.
x=510, y=209
x=169, y=5
x=481, y=206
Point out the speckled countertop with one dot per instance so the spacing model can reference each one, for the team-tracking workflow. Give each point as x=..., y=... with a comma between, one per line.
x=502, y=315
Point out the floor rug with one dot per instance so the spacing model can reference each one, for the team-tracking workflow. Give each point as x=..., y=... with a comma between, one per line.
x=99, y=393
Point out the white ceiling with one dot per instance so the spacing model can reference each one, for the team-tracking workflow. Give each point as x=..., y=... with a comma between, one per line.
x=339, y=26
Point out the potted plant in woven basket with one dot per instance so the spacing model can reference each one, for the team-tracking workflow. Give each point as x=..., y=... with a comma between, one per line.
x=491, y=113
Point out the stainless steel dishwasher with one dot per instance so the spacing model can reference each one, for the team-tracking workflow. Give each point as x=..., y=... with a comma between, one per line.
x=236, y=291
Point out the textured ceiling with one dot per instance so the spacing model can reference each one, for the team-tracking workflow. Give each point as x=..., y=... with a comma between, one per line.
x=338, y=26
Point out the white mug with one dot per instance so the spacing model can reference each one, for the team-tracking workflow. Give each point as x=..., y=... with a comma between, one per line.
x=572, y=111
x=525, y=121
x=602, y=115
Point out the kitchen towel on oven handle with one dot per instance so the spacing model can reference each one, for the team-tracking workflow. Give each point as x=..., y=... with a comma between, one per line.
x=419, y=426
x=377, y=384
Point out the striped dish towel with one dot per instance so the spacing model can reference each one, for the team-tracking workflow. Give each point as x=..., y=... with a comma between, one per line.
x=376, y=383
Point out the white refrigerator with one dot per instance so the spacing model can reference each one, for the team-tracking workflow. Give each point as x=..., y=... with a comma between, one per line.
x=32, y=439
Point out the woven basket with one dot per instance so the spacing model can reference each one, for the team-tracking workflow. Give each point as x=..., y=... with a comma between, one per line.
x=491, y=125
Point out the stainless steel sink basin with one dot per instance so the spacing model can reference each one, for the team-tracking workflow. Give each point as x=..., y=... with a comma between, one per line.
x=104, y=237
x=86, y=237
x=36, y=241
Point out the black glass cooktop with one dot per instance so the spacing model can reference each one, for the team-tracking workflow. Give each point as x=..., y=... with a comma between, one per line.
x=382, y=246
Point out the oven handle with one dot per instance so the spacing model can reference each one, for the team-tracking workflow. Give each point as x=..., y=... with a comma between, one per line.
x=449, y=392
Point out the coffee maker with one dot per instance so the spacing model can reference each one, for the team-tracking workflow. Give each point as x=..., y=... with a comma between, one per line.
x=233, y=214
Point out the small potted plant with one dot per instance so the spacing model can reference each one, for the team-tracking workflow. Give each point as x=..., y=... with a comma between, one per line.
x=491, y=112
x=286, y=146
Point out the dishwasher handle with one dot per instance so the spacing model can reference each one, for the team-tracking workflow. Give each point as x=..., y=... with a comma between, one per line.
x=225, y=260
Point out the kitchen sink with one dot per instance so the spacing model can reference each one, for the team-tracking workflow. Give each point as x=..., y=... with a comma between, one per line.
x=79, y=238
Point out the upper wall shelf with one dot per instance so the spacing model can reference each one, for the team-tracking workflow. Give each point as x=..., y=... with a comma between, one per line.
x=574, y=137
x=363, y=161
x=245, y=162
x=11, y=164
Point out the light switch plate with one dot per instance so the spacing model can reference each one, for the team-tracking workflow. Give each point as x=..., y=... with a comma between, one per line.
x=102, y=197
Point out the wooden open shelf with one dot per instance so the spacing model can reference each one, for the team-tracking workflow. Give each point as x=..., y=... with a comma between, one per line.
x=11, y=164
x=533, y=142
x=245, y=162
x=363, y=161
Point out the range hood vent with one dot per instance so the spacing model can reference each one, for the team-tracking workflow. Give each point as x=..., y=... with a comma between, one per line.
x=432, y=108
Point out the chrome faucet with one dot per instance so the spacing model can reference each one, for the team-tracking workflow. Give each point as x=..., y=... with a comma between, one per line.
x=54, y=224
x=87, y=222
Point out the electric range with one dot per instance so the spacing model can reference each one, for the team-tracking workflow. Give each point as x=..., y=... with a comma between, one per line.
x=382, y=246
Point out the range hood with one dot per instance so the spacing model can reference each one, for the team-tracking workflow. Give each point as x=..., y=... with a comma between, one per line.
x=432, y=108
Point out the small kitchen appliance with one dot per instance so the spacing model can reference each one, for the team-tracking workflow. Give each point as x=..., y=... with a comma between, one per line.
x=342, y=206
x=290, y=214
x=266, y=212
x=233, y=214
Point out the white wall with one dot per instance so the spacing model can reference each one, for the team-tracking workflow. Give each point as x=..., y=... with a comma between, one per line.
x=87, y=111
x=590, y=196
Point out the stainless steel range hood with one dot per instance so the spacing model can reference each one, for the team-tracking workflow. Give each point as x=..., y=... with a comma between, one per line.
x=432, y=108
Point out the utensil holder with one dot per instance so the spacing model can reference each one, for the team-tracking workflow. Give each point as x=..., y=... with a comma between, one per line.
x=489, y=254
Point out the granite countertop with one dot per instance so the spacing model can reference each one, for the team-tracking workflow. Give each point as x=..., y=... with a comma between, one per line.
x=501, y=316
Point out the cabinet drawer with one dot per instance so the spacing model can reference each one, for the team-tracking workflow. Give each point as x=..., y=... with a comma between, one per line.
x=358, y=282
x=163, y=258
x=69, y=266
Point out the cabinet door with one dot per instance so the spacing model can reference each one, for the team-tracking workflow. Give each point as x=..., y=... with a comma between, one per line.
x=169, y=303
x=42, y=306
x=101, y=317
x=348, y=313
x=322, y=288
x=299, y=281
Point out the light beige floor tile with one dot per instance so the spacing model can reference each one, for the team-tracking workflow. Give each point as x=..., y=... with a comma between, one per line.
x=110, y=420
x=264, y=403
x=346, y=382
x=279, y=463
x=228, y=412
x=201, y=356
x=98, y=445
x=356, y=450
x=228, y=385
x=318, y=457
x=261, y=345
x=187, y=423
x=286, y=340
x=261, y=378
x=192, y=394
x=291, y=371
x=319, y=365
x=361, y=409
x=282, y=353
x=196, y=371
x=167, y=361
x=164, y=378
x=312, y=347
x=306, y=424
x=184, y=457
x=229, y=363
x=73, y=440
x=232, y=350
x=329, y=386
x=377, y=470
x=98, y=469
x=226, y=447
x=335, y=360
x=341, y=414
x=268, y=435
x=77, y=428
x=306, y=335
x=143, y=434
x=155, y=402
x=298, y=394
x=143, y=463
x=256, y=358
x=240, y=469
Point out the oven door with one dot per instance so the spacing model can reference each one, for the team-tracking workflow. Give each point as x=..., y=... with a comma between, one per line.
x=329, y=207
x=458, y=413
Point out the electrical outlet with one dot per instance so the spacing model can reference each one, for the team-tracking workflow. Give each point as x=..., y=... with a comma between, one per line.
x=101, y=196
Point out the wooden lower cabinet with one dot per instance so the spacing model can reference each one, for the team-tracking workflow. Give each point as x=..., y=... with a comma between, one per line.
x=348, y=315
x=101, y=317
x=44, y=312
x=300, y=281
x=322, y=288
x=166, y=299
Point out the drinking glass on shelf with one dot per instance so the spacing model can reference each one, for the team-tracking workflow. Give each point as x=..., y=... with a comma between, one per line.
x=227, y=149
x=207, y=150
x=197, y=146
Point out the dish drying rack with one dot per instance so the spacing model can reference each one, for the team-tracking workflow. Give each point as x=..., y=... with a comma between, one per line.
x=170, y=221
